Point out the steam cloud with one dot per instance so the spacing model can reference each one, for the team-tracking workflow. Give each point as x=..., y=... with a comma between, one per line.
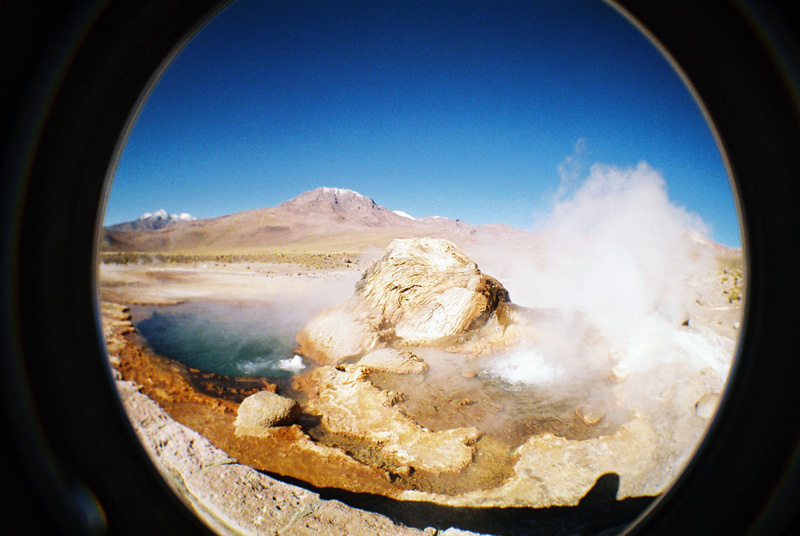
x=616, y=251
x=617, y=245
x=571, y=168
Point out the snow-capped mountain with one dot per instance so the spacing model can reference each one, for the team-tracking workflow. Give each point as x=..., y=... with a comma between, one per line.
x=150, y=221
x=321, y=218
x=339, y=205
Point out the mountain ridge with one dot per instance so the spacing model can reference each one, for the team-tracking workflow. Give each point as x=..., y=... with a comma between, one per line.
x=325, y=217
x=151, y=221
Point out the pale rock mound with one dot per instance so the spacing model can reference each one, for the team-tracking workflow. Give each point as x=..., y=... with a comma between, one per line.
x=263, y=410
x=422, y=291
x=348, y=404
x=427, y=289
x=394, y=361
x=340, y=333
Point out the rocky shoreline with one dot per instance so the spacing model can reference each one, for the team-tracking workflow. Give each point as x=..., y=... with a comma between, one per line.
x=233, y=498
x=230, y=497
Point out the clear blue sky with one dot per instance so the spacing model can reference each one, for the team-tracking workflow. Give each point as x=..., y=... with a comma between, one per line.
x=461, y=109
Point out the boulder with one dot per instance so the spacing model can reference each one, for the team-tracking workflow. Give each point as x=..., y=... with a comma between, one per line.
x=427, y=289
x=338, y=334
x=422, y=291
x=263, y=410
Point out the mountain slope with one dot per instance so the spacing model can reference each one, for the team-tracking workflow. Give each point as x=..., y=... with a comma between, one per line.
x=320, y=219
x=337, y=205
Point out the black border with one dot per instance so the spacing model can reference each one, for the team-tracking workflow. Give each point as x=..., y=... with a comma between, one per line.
x=71, y=74
x=76, y=465
x=740, y=60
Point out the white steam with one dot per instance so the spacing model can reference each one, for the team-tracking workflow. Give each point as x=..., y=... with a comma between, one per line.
x=295, y=364
x=617, y=245
x=524, y=365
x=615, y=258
x=571, y=169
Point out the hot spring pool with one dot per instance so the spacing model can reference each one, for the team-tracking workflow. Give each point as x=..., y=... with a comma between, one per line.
x=224, y=338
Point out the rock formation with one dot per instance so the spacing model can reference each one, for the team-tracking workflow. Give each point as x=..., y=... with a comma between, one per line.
x=349, y=405
x=422, y=291
x=234, y=498
x=263, y=410
x=391, y=360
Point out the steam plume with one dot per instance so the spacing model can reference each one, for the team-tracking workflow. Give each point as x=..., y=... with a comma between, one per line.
x=617, y=245
x=617, y=251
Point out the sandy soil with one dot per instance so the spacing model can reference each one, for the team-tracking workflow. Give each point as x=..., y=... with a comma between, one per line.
x=167, y=283
x=160, y=283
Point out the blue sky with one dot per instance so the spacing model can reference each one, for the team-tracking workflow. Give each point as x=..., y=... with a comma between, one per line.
x=463, y=109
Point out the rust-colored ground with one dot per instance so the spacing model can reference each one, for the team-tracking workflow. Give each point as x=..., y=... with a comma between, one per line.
x=207, y=403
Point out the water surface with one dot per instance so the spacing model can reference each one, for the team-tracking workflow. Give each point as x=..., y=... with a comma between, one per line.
x=230, y=339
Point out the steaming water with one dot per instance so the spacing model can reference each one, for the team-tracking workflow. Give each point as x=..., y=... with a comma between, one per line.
x=224, y=338
x=509, y=396
x=526, y=366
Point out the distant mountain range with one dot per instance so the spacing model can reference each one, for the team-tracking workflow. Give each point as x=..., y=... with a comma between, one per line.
x=324, y=219
x=152, y=221
x=320, y=220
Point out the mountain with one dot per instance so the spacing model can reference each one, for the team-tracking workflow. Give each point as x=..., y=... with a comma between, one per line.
x=338, y=205
x=152, y=221
x=324, y=219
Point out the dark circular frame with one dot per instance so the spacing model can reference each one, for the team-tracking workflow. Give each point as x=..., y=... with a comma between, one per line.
x=71, y=74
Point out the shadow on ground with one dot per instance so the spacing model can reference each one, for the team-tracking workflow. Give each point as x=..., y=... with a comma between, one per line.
x=598, y=512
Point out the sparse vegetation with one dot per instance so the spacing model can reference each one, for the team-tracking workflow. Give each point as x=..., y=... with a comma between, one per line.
x=732, y=283
x=307, y=260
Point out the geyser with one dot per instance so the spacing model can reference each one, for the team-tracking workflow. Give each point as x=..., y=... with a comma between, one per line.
x=603, y=358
